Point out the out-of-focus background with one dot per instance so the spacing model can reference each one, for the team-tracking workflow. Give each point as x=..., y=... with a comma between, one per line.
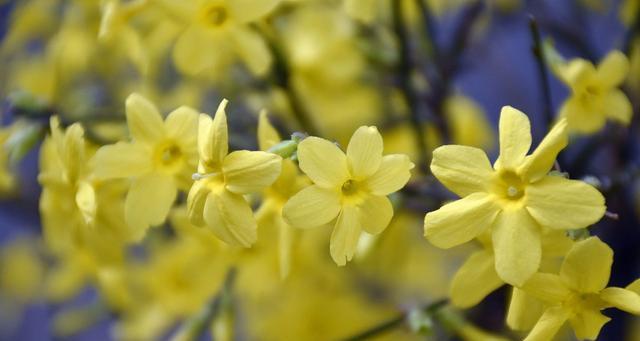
x=343, y=72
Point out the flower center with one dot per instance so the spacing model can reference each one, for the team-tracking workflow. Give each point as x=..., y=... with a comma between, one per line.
x=214, y=15
x=353, y=192
x=168, y=156
x=508, y=186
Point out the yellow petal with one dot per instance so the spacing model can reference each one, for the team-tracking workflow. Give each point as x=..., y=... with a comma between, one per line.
x=576, y=72
x=245, y=11
x=581, y=117
x=195, y=202
x=323, y=162
x=475, y=279
x=587, y=266
x=121, y=160
x=559, y=203
x=249, y=172
x=285, y=245
x=613, y=70
x=539, y=163
x=86, y=202
x=311, y=207
x=547, y=287
x=460, y=221
x=182, y=125
x=213, y=139
x=587, y=324
x=230, y=218
x=345, y=236
x=524, y=310
x=515, y=138
x=148, y=202
x=375, y=213
x=618, y=107
x=195, y=50
x=463, y=170
x=622, y=299
x=364, y=152
x=252, y=50
x=516, y=244
x=634, y=286
x=393, y=174
x=143, y=119
x=267, y=135
x=548, y=324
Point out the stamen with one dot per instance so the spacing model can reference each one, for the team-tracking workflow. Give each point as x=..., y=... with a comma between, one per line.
x=512, y=191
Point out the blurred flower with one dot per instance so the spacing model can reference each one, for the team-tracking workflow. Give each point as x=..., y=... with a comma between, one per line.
x=160, y=160
x=594, y=93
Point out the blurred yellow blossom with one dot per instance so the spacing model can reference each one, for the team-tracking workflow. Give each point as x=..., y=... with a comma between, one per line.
x=594, y=93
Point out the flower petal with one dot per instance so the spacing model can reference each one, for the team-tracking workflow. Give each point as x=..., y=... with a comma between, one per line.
x=539, y=163
x=524, y=310
x=622, y=299
x=230, y=218
x=345, y=235
x=143, y=119
x=613, y=69
x=393, y=174
x=195, y=50
x=618, y=107
x=323, y=162
x=547, y=287
x=463, y=170
x=517, y=246
x=267, y=135
x=460, y=221
x=213, y=139
x=548, y=324
x=252, y=50
x=195, y=202
x=587, y=324
x=587, y=266
x=559, y=203
x=245, y=11
x=375, y=213
x=313, y=206
x=576, y=72
x=515, y=138
x=364, y=152
x=581, y=117
x=248, y=172
x=121, y=160
x=475, y=279
x=182, y=125
x=148, y=202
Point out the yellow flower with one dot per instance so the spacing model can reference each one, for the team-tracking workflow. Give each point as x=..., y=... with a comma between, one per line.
x=477, y=276
x=594, y=93
x=269, y=215
x=515, y=200
x=578, y=293
x=351, y=187
x=219, y=28
x=160, y=159
x=216, y=198
x=7, y=178
x=77, y=210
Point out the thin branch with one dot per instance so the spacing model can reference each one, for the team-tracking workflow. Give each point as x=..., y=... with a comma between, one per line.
x=405, y=69
x=536, y=48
